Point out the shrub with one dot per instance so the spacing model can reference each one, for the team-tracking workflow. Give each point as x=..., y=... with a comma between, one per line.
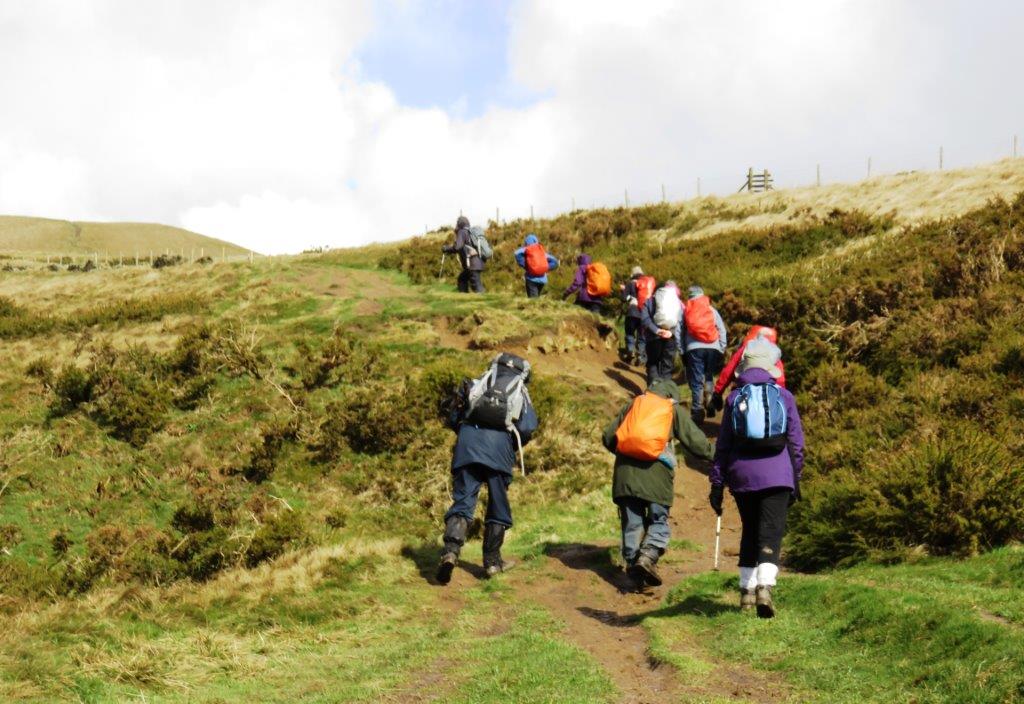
x=273, y=538
x=71, y=388
x=956, y=494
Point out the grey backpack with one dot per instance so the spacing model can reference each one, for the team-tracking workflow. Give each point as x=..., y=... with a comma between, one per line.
x=498, y=398
x=480, y=243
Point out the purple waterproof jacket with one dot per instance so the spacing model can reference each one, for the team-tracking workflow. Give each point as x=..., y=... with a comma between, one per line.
x=753, y=470
x=579, y=283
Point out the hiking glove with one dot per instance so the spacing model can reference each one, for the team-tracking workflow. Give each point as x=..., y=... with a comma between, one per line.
x=715, y=498
x=717, y=402
x=795, y=495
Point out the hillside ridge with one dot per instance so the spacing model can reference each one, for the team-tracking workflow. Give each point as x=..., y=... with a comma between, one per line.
x=27, y=235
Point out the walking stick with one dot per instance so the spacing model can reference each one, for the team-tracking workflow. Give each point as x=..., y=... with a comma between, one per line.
x=718, y=537
x=441, y=270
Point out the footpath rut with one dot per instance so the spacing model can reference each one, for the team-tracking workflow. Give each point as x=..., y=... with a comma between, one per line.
x=602, y=612
x=578, y=583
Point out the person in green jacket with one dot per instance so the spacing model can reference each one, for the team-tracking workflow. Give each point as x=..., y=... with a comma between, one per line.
x=643, y=490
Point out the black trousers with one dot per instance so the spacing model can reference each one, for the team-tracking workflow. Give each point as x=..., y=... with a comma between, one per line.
x=469, y=280
x=661, y=357
x=533, y=288
x=763, y=514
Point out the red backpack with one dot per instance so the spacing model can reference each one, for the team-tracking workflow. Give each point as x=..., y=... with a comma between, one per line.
x=536, y=260
x=700, y=319
x=645, y=286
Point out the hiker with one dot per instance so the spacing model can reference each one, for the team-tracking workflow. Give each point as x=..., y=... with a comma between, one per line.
x=660, y=318
x=493, y=419
x=635, y=293
x=591, y=283
x=729, y=370
x=642, y=487
x=470, y=257
x=760, y=455
x=704, y=340
x=537, y=263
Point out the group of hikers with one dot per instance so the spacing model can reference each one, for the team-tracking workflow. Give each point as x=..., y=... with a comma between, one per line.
x=758, y=454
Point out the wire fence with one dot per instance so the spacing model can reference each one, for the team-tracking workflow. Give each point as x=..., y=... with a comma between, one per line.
x=663, y=192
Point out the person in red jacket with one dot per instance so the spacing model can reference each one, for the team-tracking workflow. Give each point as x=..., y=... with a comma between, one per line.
x=728, y=375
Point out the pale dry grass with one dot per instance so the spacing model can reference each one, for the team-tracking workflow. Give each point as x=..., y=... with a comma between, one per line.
x=910, y=198
x=28, y=235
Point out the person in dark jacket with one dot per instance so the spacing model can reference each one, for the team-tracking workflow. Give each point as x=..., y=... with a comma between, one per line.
x=534, y=284
x=636, y=347
x=482, y=456
x=764, y=482
x=472, y=264
x=662, y=345
x=643, y=490
x=579, y=286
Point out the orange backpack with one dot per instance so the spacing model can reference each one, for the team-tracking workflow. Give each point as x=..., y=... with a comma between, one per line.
x=645, y=286
x=536, y=260
x=646, y=429
x=700, y=319
x=599, y=281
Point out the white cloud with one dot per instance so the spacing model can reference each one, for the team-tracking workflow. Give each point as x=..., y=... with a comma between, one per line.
x=252, y=121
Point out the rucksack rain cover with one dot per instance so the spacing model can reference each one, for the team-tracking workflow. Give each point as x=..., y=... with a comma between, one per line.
x=647, y=427
x=668, y=309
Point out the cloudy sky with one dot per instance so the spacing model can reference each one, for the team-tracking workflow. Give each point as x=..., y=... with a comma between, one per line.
x=285, y=124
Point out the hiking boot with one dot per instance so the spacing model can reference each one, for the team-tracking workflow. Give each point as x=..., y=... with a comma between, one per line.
x=494, y=569
x=747, y=599
x=494, y=537
x=697, y=415
x=763, y=599
x=446, y=566
x=646, y=567
x=455, y=529
x=636, y=574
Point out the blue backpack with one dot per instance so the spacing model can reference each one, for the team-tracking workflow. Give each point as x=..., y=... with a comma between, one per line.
x=759, y=417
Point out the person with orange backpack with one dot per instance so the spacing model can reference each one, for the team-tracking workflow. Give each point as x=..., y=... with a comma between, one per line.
x=635, y=293
x=591, y=284
x=729, y=372
x=641, y=436
x=537, y=263
x=704, y=341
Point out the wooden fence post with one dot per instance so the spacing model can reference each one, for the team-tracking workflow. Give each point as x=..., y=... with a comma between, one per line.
x=869, y=167
x=818, y=175
x=940, y=158
x=627, y=197
x=663, y=199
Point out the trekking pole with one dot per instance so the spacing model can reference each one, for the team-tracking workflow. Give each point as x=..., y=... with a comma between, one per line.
x=718, y=537
x=441, y=270
x=519, y=442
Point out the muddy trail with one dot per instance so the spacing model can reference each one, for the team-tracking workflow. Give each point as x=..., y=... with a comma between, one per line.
x=581, y=584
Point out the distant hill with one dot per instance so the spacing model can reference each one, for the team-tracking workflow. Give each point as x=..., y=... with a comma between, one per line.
x=28, y=235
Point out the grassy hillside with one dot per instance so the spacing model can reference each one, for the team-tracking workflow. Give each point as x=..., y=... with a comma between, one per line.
x=41, y=236
x=225, y=482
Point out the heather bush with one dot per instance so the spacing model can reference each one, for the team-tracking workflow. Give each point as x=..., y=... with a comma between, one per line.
x=954, y=494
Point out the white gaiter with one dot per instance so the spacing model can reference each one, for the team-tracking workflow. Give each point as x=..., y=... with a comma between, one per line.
x=748, y=578
x=766, y=574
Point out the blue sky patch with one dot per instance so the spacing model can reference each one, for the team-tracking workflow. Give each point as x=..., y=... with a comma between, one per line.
x=451, y=54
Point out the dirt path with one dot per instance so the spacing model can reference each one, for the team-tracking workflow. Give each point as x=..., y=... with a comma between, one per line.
x=602, y=612
x=579, y=583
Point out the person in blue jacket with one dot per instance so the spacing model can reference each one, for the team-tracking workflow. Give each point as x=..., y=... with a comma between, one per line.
x=534, y=284
x=482, y=456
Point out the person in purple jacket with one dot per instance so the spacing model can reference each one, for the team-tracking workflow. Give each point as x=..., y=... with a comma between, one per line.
x=579, y=286
x=765, y=482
